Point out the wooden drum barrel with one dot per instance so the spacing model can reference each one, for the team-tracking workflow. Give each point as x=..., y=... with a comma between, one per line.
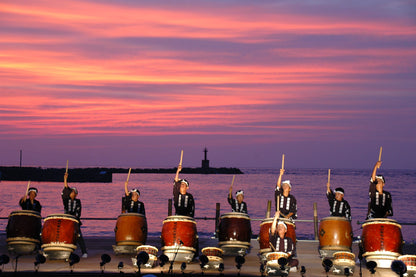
x=335, y=235
x=264, y=233
x=131, y=229
x=382, y=241
x=234, y=233
x=179, y=235
x=59, y=235
x=23, y=232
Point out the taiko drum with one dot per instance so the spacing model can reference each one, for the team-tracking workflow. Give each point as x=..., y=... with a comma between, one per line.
x=23, y=231
x=335, y=233
x=179, y=230
x=382, y=234
x=264, y=233
x=131, y=229
x=234, y=230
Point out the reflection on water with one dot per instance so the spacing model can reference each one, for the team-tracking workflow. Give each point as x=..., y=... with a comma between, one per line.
x=309, y=186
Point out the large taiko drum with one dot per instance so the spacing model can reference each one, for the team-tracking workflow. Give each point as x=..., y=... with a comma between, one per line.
x=59, y=235
x=23, y=231
x=335, y=235
x=382, y=241
x=263, y=237
x=179, y=238
x=131, y=229
x=234, y=233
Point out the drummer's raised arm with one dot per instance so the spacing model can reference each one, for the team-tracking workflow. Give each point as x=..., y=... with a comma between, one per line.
x=279, y=180
x=373, y=174
x=177, y=172
x=274, y=224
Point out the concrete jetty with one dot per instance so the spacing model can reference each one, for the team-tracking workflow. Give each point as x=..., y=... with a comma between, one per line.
x=307, y=251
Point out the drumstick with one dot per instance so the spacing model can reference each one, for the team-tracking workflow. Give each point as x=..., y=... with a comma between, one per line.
x=283, y=161
x=27, y=188
x=232, y=182
x=66, y=171
x=180, y=161
x=128, y=175
x=271, y=245
x=379, y=155
x=329, y=175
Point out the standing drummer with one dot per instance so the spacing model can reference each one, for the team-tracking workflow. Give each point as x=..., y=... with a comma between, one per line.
x=287, y=202
x=338, y=206
x=282, y=243
x=380, y=203
x=183, y=201
x=130, y=203
x=238, y=205
x=28, y=201
x=72, y=206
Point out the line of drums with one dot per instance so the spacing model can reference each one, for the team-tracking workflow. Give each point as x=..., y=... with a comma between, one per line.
x=381, y=239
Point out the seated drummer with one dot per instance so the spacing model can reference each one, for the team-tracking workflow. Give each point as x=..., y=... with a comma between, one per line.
x=282, y=243
x=72, y=206
x=130, y=203
x=287, y=202
x=183, y=201
x=238, y=206
x=28, y=201
x=338, y=206
x=380, y=202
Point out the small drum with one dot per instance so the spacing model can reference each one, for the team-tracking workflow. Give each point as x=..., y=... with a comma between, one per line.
x=59, y=235
x=273, y=268
x=23, y=232
x=410, y=262
x=234, y=233
x=263, y=237
x=335, y=235
x=214, y=256
x=382, y=241
x=151, y=250
x=179, y=237
x=343, y=260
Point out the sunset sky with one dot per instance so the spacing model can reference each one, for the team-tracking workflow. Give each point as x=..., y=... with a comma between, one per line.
x=131, y=83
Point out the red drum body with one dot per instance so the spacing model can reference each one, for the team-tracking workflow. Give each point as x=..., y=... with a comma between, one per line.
x=59, y=235
x=179, y=235
x=234, y=233
x=382, y=241
x=23, y=232
x=265, y=230
x=131, y=229
x=335, y=235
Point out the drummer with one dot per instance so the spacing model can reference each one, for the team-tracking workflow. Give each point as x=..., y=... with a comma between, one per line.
x=338, y=206
x=282, y=243
x=287, y=202
x=380, y=202
x=238, y=205
x=72, y=206
x=184, y=201
x=130, y=203
x=28, y=201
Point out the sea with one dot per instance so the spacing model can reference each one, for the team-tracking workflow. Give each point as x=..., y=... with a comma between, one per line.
x=101, y=202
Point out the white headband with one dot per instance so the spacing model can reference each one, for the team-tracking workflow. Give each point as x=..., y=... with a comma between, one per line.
x=239, y=192
x=287, y=182
x=282, y=223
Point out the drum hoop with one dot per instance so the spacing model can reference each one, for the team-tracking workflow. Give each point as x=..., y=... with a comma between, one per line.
x=213, y=248
x=22, y=240
x=407, y=256
x=180, y=248
x=132, y=215
x=281, y=254
x=147, y=246
x=270, y=221
x=344, y=252
x=237, y=243
x=179, y=218
x=335, y=218
x=70, y=217
x=235, y=215
x=58, y=246
x=25, y=212
x=382, y=222
x=382, y=253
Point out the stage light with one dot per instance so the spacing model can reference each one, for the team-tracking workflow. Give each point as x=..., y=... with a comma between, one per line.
x=302, y=270
x=221, y=267
x=347, y=271
x=327, y=264
x=399, y=267
x=371, y=265
x=163, y=259
x=39, y=259
x=142, y=258
x=105, y=259
x=282, y=262
x=262, y=269
x=73, y=259
x=183, y=266
x=4, y=259
x=240, y=261
x=120, y=265
x=204, y=260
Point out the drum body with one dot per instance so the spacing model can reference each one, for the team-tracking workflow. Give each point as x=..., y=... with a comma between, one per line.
x=335, y=235
x=382, y=241
x=131, y=229
x=265, y=230
x=343, y=260
x=273, y=268
x=23, y=232
x=214, y=255
x=179, y=237
x=234, y=233
x=59, y=235
x=151, y=251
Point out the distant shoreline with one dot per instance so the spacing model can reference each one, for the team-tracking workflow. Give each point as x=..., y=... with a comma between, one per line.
x=95, y=174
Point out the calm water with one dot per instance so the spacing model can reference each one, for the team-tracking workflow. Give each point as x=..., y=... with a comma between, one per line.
x=309, y=186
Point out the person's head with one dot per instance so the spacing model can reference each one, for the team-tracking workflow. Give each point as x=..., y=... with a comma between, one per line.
x=184, y=186
x=135, y=194
x=287, y=187
x=339, y=194
x=240, y=196
x=380, y=182
x=32, y=192
x=74, y=193
x=281, y=229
